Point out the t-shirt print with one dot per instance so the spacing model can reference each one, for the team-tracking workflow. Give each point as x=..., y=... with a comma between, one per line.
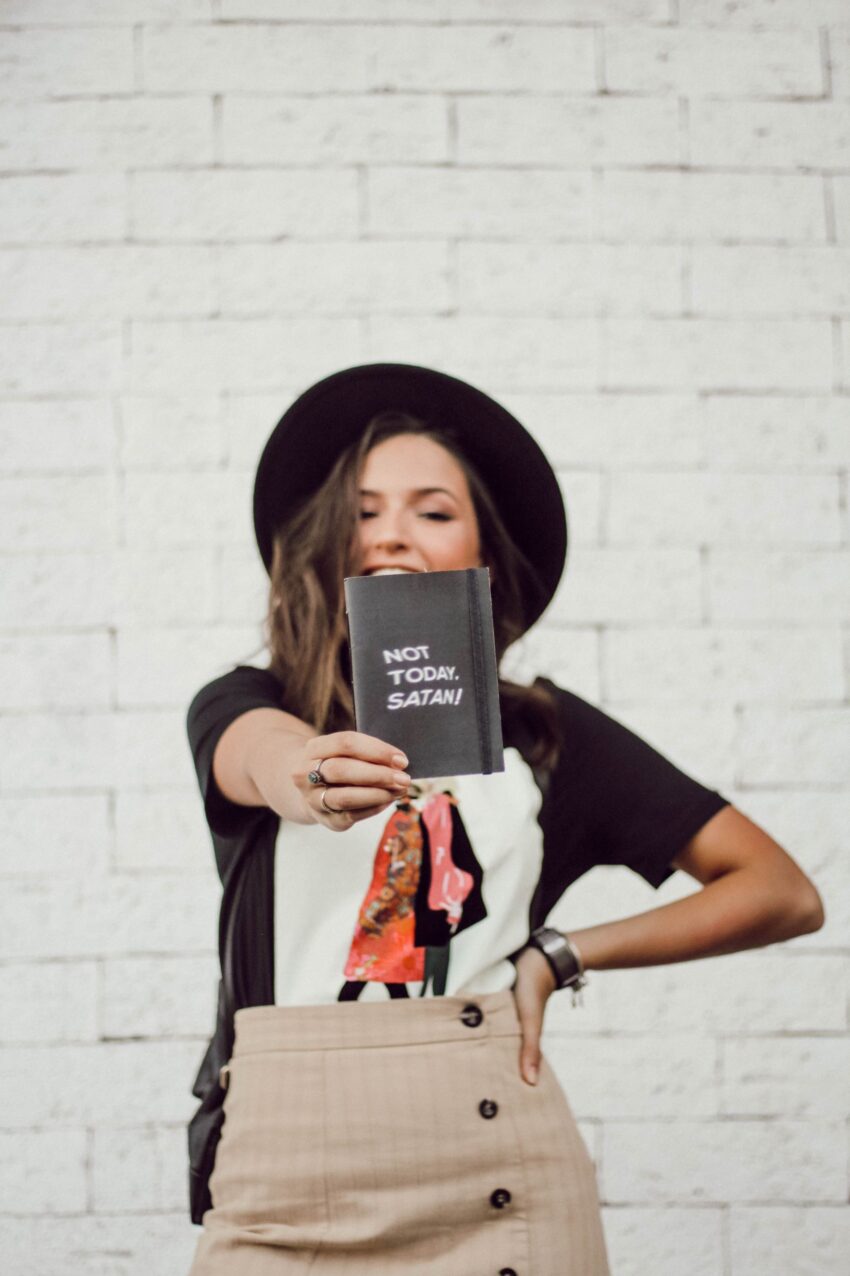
x=417, y=893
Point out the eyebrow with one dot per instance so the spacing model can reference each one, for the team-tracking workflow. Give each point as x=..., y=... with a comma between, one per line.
x=415, y=491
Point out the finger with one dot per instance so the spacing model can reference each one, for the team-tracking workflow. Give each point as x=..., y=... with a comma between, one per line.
x=356, y=744
x=531, y=1024
x=352, y=801
x=350, y=771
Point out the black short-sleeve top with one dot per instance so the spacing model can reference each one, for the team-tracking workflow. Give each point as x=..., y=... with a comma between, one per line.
x=295, y=896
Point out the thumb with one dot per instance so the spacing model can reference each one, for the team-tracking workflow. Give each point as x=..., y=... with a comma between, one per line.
x=529, y=1055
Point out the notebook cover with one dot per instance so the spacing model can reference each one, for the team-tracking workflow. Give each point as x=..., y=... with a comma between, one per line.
x=423, y=660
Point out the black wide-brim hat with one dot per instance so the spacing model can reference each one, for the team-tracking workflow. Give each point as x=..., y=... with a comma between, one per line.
x=334, y=412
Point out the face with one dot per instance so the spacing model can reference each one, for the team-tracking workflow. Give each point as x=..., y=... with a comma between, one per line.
x=416, y=511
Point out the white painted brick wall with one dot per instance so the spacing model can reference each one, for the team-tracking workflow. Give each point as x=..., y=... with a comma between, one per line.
x=631, y=220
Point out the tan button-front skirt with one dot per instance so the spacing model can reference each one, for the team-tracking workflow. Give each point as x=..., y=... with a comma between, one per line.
x=396, y=1137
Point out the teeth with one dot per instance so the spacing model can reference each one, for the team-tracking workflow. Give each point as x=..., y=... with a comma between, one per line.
x=391, y=571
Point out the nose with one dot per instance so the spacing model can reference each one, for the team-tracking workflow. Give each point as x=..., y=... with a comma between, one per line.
x=388, y=531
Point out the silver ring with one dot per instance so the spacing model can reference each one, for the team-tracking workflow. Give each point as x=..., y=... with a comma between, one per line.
x=331, y=810
x=315, y=776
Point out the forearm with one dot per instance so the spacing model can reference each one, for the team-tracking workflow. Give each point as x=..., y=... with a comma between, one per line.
x=270, y=764
x=736, y=911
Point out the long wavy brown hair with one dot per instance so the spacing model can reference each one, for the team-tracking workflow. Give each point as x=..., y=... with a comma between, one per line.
x=305, y=629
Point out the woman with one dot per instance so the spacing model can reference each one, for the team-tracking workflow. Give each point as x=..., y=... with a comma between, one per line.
x=343, y=1149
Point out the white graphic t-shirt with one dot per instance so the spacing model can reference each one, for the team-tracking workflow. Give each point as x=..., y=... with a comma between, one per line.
x=342, y=913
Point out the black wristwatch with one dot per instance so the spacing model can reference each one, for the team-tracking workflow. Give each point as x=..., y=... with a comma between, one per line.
x=563, y=958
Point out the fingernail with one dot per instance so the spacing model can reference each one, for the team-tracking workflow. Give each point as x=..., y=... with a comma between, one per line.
x=401, y=779
x=399, y=760
x=533, y=1074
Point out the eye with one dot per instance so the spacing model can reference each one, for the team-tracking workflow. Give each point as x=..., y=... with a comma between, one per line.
x=367, y=513
x=442, y=518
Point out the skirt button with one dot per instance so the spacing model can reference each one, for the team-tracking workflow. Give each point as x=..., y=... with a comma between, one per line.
x=500, y=1198
x=488, y=1108
x=471, y=1015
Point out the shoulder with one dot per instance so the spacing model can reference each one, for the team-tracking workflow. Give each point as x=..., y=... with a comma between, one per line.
x=239, y=682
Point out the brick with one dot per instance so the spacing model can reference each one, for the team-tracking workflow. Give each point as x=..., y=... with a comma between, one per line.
x=125, y=1171
x=714, y=354
x=806, y=135
x=242, y=584
x=162, y=508
x=635, y=1080
x=171, y=431
x=568, y=659
x=774, y=432
x=72, y=434
x=98, y=1244
x=61, y=512
x=102, y=12
x=106, y=133
x=760, y=13
x=350, y=58
x=612, y=431
x=681, y=508
x=568, y=279
x=563, y=132
x=165, y=586
x=547, y=11
x=49, y=1002
x=813, y=1240
x=771, y=281
x=582, y=493
x=124, y=916
x=658, y=207
x=615, y=585
x=335, y=278
x=61, y=671
x=240, y=354
x=745, y=665
x=64, y=359
x=249, y=420
x=794, y=745
x=162, y=829
x=386, y=129
x=161, y=667
x=240, y=204
x=92, y=750
x=518, y=353
x=785, y=1077
x=700, y=63
x=665, y=1241
x=105, y=282
x=63, y=209
x=778, y=585
x=773, y=990
x=60, y=837
x=168, y=997
x=841, y=205
x=105, y=1085
x=479, y=203
x=43, y=1172
x=839, y=53
x=69, y=591
x=171, y=1167
x=735, y=1161
x=97, y=62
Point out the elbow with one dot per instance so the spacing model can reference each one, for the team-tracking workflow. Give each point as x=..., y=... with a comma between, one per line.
x=804, y=911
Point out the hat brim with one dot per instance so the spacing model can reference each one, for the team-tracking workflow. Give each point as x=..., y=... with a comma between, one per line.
x=333, y=413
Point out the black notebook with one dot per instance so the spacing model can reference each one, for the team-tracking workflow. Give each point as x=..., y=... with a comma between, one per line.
x=423, y=661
